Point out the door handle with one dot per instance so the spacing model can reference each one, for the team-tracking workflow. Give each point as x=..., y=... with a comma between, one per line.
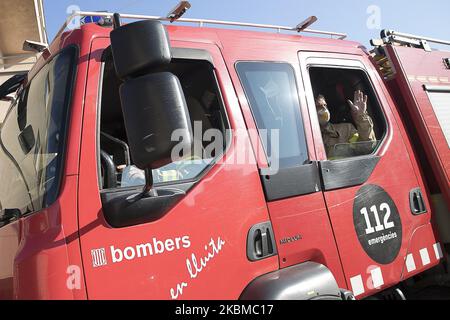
x=416, y=202
x=260, y=242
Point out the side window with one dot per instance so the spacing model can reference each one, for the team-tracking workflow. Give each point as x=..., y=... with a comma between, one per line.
x=209, y=124
x=350, y=116
x=32, y=138
x=271, y=90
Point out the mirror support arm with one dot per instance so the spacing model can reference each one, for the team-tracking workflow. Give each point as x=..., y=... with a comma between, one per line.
x=148, y=188
x=116, y=21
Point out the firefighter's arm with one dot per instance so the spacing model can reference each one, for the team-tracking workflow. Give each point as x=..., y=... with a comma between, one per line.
x=364, y=124
x=363, y=121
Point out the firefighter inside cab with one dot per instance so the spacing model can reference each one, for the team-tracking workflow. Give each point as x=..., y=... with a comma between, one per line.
x=346, y=139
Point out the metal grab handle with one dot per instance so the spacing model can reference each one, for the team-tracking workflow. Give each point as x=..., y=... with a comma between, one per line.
x=260, y=242
x=417, y=202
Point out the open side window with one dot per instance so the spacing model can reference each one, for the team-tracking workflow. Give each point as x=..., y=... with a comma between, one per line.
x=351, y=143
x=347, y=134
x=208, y=120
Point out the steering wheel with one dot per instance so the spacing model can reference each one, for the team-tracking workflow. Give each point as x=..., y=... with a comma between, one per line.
x=109, y=171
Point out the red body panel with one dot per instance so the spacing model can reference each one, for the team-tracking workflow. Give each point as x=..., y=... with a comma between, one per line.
x=306, y=217
x=416, y=68
x=43, y=258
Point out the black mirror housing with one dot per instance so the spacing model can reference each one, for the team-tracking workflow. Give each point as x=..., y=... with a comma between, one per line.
x=153, y=104
x=154, y=107
x=139, y=46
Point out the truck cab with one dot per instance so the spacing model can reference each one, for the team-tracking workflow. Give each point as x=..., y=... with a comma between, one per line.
x=253, y=205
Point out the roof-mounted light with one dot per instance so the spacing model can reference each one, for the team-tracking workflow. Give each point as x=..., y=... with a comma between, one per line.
x=100, y=20
x=306, y=24
x=178, y=11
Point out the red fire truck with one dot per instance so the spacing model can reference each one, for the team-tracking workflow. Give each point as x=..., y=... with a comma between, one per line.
x=94, y=204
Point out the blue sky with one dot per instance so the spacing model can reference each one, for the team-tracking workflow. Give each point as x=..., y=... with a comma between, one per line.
x=428, y=18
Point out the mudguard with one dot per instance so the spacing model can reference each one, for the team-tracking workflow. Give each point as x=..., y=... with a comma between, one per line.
x=307, y=281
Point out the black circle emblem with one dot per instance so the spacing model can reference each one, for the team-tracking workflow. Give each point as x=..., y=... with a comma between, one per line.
x=377, y=224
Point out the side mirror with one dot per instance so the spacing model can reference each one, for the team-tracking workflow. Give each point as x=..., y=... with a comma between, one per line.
x=138, y=47
x=153, y=108
x=153, y=103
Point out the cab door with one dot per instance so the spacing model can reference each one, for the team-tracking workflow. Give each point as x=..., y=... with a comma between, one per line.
x=196, y=250
x=267, y=80
x=382, y=233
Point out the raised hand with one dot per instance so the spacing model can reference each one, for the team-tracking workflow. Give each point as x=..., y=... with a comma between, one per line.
x=359, y=104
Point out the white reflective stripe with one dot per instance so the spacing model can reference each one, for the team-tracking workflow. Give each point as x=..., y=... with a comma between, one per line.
x=94, y=258
x=433, y=79
x=377, y=278
x=438, y=251
x=97, y=258
x=425, y=256
x=410, y=263
x=357, y=285
x=103, y=257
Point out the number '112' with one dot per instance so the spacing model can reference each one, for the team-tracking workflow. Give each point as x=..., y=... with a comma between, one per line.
x=379, y=226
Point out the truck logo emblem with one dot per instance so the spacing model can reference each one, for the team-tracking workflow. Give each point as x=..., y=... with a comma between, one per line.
x=98, y=257
x=377, y=224
x=291, y=239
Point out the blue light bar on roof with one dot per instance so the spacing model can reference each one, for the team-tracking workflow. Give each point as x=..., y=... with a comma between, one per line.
x=90, y=19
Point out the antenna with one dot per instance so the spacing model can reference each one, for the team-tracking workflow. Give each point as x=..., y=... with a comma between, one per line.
x=116, y=20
